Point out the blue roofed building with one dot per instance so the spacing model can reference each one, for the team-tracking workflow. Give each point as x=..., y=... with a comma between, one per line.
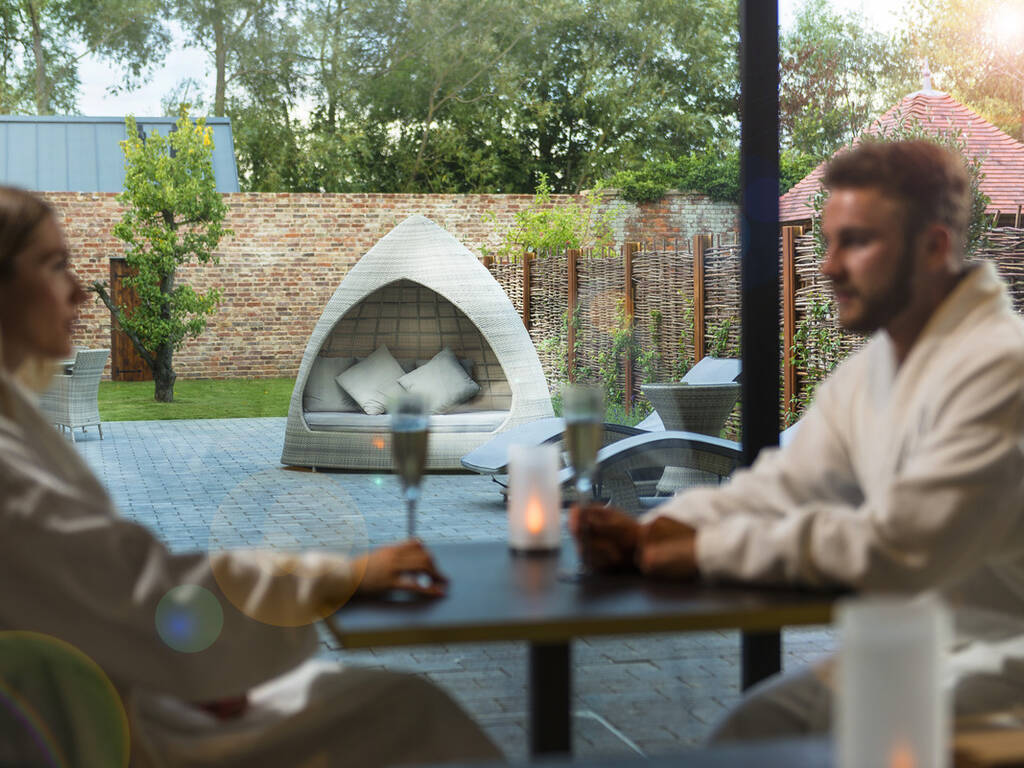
x=83, y=154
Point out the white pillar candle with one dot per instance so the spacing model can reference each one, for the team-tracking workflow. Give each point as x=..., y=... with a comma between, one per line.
x=533, y=498
x=891, y=708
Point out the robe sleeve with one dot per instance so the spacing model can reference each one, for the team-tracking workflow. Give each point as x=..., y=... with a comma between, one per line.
x=798, y=517
x=73, y=569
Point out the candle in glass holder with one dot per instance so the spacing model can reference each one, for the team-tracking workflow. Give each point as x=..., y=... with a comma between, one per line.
x=533, y=498
x=891, y=708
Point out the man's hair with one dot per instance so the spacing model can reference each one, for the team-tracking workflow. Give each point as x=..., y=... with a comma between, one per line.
x=929, y=180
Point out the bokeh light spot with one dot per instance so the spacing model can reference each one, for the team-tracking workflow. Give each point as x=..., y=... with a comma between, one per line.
x=189, y=618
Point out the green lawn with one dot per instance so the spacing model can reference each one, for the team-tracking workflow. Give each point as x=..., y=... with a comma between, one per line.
x=196, y=399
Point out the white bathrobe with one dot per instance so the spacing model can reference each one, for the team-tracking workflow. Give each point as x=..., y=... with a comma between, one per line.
x=898, y=479
x=71, y=568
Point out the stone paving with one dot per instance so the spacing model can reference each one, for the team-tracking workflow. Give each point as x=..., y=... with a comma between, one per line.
x=219, y=483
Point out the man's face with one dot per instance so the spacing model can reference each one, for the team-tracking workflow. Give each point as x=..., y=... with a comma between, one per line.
x=867, y=258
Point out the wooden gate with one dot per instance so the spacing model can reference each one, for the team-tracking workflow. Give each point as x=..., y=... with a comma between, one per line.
x=125, y=363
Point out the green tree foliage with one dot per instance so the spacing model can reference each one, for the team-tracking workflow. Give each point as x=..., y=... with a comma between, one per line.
x=715, y=174
x=836, y=75
x=41, y=42
x=486, y=95
x=544, y=227
x=173, y=214
x=976, y=51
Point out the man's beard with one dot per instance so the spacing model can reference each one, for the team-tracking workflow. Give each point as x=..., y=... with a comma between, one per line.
x=879, y=309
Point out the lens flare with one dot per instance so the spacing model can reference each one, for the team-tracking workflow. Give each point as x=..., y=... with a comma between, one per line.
x=43, y=682
x=298, y=523
x=189, y=618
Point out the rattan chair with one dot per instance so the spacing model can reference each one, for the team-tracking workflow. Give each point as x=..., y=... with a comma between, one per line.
x=72, y=401
x=417, y=291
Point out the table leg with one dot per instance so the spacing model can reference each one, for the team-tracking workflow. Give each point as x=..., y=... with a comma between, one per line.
x=762, y=656
x=550, y=698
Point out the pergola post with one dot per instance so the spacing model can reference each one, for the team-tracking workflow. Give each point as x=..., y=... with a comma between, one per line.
x=759, y=216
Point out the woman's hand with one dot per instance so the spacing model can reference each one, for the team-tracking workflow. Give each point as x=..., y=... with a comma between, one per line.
x=407, y=566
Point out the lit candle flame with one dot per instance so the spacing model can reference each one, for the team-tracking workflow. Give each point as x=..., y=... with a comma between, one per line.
x=902, y=756
x=534, y=516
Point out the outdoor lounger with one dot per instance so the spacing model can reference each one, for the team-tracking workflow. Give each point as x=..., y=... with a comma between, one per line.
x=491, y=458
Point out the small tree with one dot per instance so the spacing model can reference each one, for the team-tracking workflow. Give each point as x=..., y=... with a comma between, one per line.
x=173, y=214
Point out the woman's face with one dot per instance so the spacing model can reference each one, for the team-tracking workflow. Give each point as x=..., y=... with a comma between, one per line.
x=39, y=302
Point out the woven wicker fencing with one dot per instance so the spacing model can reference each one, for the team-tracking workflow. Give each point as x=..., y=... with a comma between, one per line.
x=1006, y=248
x=663, y=291
x=664, y=315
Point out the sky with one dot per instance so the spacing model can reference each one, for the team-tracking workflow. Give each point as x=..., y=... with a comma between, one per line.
x=184, y=62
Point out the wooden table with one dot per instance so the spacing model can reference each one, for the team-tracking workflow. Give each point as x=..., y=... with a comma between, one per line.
x=497, y=596
x=802, y=753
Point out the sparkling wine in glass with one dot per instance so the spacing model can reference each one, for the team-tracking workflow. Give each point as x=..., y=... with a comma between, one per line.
x=409, y=435
x=583, y=409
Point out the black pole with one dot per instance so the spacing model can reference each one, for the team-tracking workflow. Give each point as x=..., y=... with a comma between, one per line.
x=759, y=285
x=759, y=182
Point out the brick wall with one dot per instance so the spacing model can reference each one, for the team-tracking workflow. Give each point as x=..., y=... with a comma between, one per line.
x=290, y=251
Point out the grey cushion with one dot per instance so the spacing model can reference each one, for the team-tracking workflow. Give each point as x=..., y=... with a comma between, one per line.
x=322, y=392
x=442, y=382
x=373, y=382
x=476, y=422
x=465, y=362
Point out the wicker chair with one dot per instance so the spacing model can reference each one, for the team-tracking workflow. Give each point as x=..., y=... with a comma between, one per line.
x=417, y=291
x=72, y=399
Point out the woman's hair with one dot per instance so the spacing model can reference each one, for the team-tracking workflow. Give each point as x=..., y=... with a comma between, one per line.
x=21, y=213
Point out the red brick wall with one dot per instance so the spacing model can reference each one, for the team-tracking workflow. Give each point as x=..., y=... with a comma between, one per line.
x=290, y=251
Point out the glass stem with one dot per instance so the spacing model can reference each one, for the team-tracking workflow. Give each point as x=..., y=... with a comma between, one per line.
x=410, y=511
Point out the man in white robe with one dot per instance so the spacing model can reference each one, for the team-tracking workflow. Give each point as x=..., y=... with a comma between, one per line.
x=906, y=472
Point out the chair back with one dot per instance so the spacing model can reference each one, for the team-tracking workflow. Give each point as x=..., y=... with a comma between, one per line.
x=89, y=365
x=714, y=370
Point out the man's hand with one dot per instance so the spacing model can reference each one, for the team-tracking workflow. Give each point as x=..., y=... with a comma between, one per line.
x=667, y=549
x=605, y=537
x=407, y=566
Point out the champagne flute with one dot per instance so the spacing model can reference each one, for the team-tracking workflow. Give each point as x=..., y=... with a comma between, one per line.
x=583, y=409
x=409, y=434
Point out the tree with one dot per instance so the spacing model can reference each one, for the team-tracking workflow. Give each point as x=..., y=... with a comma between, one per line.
x=39, y=40
x=173, y=214
x=976, y=52
x=486, y=95
x=836, y=75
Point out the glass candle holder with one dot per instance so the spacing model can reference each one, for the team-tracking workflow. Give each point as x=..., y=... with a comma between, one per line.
x=533, y=499
x=891, y=708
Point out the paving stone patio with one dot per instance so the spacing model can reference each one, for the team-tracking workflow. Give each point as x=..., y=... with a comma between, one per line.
x=219, y=483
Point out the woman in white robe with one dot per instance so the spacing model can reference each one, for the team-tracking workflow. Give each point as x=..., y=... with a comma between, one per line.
x=73, y=570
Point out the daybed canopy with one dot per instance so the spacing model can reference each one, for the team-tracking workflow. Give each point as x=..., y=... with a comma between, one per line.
x=417, y=291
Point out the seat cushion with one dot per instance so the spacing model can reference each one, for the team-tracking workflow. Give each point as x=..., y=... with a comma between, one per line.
x=373, y=382
x=322, y=392
x=476, y=421
x=442, y=382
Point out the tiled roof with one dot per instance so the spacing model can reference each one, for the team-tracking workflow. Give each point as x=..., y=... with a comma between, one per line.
x=1002, y=156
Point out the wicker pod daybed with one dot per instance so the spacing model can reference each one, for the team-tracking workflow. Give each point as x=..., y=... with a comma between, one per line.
x=417, y=291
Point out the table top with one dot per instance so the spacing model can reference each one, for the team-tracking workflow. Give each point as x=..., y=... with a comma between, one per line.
x=496, y=595
x=800, y=753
